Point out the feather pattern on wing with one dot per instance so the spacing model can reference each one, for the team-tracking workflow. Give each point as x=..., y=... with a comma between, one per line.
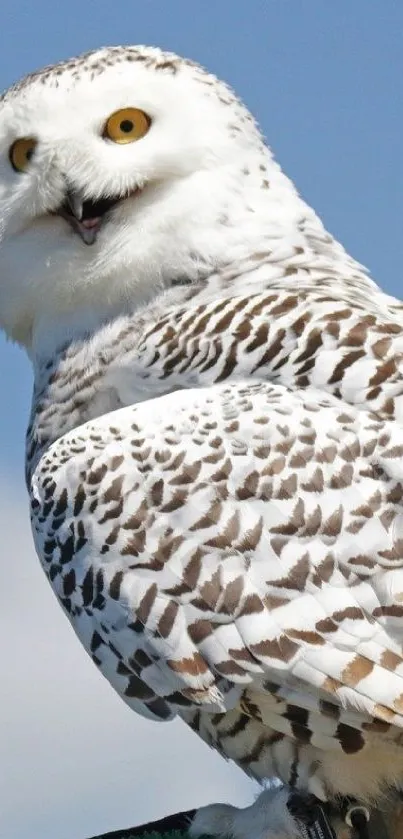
x=236, y=549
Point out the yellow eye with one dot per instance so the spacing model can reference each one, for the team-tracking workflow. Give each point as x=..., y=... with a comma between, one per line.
x=126, y=125
x=21, y=153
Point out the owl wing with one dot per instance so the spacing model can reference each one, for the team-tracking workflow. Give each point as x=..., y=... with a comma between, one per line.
x=240, y=543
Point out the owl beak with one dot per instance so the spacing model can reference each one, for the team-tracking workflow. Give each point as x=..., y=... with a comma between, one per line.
x=75, y=202
x=86, y=215
x=82, y=216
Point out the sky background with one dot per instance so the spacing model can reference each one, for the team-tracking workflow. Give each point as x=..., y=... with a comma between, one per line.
x=325, y=82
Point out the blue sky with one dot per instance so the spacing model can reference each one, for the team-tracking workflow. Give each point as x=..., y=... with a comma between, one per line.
x=325, y=81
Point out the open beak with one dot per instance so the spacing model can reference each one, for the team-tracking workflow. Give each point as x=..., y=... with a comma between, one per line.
x=85, y=216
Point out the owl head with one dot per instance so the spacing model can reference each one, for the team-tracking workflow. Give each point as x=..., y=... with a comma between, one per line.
x=120, y=172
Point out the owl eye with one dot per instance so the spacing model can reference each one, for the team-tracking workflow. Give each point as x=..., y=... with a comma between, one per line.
x=126, y=125
x=21, y=152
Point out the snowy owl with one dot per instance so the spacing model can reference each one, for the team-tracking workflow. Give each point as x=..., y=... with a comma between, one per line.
x=215, y=448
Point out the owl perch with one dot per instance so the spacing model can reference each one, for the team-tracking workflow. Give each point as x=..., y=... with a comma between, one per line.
x=176, y=827
x=214, y=456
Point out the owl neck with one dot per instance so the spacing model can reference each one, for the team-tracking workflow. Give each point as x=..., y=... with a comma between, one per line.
x=241, y=227
x=117, y=362
x=250, y=250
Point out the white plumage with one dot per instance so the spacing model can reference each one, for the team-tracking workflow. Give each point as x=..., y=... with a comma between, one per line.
x=214, y=457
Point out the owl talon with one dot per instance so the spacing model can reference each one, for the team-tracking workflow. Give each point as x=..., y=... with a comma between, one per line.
x=268, y=818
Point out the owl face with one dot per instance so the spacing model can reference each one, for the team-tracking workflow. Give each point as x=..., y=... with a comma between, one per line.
x=113, y=170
